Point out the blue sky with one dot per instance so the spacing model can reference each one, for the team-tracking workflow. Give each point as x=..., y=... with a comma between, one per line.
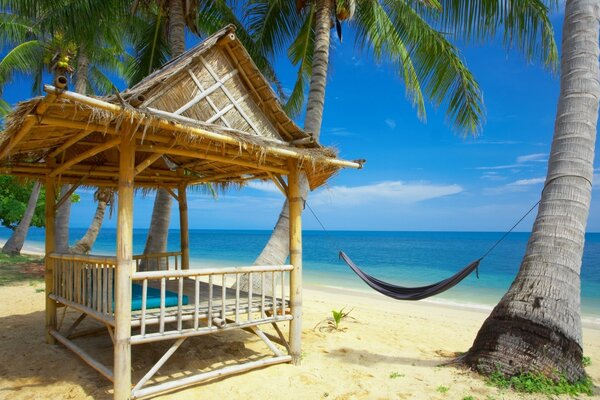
x=419, y=175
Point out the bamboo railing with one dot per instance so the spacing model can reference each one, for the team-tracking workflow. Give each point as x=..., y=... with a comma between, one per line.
x=169, y=261
x=85, y=282
x=212, y=306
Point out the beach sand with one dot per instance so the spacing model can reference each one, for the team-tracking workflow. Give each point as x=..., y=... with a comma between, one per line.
x=387, y=350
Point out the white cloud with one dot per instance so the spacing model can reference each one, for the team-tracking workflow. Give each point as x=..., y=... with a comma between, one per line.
x=520, y=162
x=263, y=186
x=338, y=132
x=527, y=182
x=390, y=191
x=390, y=122
x=493, y=176
x=495, y=167
x=537, y=157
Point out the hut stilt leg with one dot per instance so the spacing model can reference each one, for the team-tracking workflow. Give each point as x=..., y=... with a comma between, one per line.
x=184, y=227
x=122, y=345
x=49, y=272
x=295, y=204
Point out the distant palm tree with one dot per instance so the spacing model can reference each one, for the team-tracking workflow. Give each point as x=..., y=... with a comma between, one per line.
x=413, y=36
x=15, y=242
x=536, y=327
x=105, y=198
x=159, y=32
x=43, y=36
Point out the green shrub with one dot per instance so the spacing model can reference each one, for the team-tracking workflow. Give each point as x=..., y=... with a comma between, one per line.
x=537, y=383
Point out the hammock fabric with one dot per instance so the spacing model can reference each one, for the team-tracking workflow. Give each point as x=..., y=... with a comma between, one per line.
x=411, y=293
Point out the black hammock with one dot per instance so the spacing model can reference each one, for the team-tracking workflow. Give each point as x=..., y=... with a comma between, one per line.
x=411, y=293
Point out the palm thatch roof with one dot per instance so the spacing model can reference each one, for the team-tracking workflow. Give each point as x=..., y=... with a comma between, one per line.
x=206, y=116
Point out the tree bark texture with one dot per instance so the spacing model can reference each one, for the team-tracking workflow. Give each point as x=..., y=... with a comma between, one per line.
x=85, y=244
x=14, y=244
x=158, y=233
x=536, y=327
x=63, y=215
x=277, y=249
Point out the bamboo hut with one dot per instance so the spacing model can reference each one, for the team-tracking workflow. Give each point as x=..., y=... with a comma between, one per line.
x=208, y=116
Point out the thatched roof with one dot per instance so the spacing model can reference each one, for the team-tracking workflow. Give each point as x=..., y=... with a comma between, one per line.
x=206, y=116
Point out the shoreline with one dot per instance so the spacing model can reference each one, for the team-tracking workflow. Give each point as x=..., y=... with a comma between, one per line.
x=587, y=321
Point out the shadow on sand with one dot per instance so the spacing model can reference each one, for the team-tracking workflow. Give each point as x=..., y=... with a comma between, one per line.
x=27, y=362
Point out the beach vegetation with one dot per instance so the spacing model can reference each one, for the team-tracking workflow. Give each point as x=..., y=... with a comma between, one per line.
x=468, y=398
x=442, y=389
x=15, y=269
x=529, y=382
x=536, y=326
x=333, y=323
x=395, y=375
x=586, y=361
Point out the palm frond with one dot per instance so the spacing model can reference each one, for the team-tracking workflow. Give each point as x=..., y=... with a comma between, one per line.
x=150, y=46
x=523, y=24
x=20, y=60
x=376, y=31
x=300, y=54
x=99, y=83
x=443, y=76
x=272, y=23
x=14, y=30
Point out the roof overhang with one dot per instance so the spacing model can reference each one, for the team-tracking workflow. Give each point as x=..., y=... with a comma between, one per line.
x=76, y=138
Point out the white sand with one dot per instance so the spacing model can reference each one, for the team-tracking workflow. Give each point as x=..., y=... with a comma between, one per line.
x=385, y=337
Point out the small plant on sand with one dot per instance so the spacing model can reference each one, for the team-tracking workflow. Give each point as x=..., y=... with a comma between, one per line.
x=442, y=389
x=395, y=375
x=333, y=322
x=586, y=361
x=468, y=398
x=536, y=383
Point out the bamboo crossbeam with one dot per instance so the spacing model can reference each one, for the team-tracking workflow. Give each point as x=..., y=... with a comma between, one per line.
x=167, y=125
x=211, y=89
x=206, y=330
x=87, y=154
x=88, y=359
x=106, y=319
x=83, y=258
x=159, y=364
x=207, y=156
x=76, y=138
x=209, y=271
x=18, y=137
x=219, y=373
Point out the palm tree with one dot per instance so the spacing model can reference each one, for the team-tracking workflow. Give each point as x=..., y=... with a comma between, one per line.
x=406, y=34
x=47, y=36
x=536, y=327
x=153, y=44
x=14, y=244
x=104, y=197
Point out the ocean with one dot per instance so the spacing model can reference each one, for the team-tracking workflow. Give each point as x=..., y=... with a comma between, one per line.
x=405, y=258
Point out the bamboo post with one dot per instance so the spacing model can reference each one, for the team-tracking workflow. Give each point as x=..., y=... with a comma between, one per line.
x=184, y=229
x=122, y=349
x=49, y=272
x=295, y=209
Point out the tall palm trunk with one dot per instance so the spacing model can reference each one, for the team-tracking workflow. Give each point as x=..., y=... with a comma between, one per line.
x=158, y=233
x=537, y=326
x=85, y=244
x=277, y=248
x=63, y=213
x=15, y=243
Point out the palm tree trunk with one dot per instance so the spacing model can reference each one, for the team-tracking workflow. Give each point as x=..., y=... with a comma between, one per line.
x=536, y=326
x=85, y=244
x=158, y=233
x=277, y=248
x=61, y=223
x=63, y=213
x=15, y=243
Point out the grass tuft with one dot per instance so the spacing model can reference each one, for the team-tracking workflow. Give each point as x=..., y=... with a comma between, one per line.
x=586, y=361
x=19, y=269
x=395, y=375
x=442, y=389
x=537, y=383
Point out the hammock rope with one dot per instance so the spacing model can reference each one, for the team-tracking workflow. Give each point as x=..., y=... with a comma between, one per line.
x=421, y=292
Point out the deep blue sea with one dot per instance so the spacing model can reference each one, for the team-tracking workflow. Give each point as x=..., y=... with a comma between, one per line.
x=407, y=258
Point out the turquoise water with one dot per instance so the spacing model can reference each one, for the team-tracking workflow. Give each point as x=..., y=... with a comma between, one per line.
x=409, y=258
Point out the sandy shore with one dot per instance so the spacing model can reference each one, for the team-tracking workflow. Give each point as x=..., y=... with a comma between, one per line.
x=388, y=350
